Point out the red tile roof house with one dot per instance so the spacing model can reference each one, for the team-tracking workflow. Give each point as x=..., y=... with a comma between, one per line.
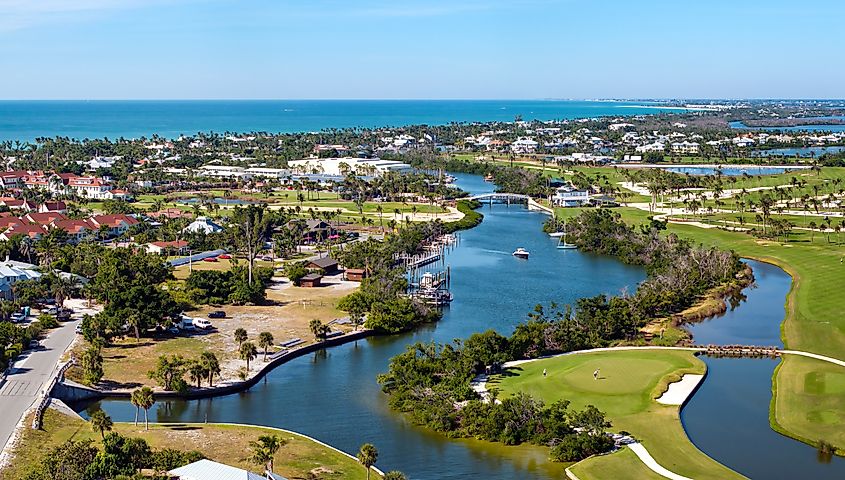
x=117, y=224
x=178, y=247
x=34, y=232
x=77, y=230
x=43, y=218
x=52, y=206
x=17, y=204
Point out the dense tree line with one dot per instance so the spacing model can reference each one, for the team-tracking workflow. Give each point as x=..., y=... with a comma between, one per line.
x=431, y=383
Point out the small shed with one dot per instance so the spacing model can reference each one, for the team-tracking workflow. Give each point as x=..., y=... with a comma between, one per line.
x=311, y=280
x=326, y=264
x=355, y=274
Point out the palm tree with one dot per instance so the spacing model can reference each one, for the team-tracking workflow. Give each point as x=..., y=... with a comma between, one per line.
x=196, y=371
x=367, y=456
x=101, y=422
x=248, y=352
x=136, y=401
x=265, y=448
x=265, y=341
x=240, y=336
x=211, y=365
x=146, y=401
x=26, y=247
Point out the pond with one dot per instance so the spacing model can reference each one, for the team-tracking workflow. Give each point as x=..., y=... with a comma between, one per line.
x=333, y=395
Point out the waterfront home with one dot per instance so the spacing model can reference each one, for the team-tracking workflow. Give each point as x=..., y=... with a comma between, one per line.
x=203, y=225
x=569, y=196
x=209, y=470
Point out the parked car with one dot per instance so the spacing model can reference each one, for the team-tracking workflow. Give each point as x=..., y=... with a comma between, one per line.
x=17, y=317
x=33, y=344
x=224, y=256
x=202, y=323
x=79, y=329
x=174, y=330
x=210, y=259
x=217, y=314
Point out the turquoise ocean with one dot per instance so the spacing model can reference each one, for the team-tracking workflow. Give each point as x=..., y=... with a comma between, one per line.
x=27, y=120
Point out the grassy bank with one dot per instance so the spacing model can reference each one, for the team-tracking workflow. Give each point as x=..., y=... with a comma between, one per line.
x=227, y=444
x=627, y=385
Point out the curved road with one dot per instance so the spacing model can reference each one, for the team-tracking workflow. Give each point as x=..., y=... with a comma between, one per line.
x=29, y=375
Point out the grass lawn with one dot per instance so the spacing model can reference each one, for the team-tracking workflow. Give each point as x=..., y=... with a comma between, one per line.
x=223, y=443
x=622, y=464
x=810, y=401
x=629, y=381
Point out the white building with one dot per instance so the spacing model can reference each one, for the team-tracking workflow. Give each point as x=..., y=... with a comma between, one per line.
x=568, y=196
x=209, y=470
x=203, y=225
x=225, y=171
x=651, y=147
x=524, y=145
x=342, y=166
x=685, y=147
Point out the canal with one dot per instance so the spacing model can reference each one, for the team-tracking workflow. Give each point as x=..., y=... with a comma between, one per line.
x=332, y=395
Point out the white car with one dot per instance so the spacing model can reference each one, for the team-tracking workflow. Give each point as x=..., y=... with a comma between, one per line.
x=202, y=323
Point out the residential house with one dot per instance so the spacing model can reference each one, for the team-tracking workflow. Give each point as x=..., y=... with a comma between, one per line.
x=685, y=147
x=176, y=247
x=569, y=196
x=202, y=225
x=12, y=272
x=117, y=224
x=52, y=206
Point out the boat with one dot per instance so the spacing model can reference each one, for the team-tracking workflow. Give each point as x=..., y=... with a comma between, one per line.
x=521, y=253
x=562, y=244
x=488, y=178
x=557, y=234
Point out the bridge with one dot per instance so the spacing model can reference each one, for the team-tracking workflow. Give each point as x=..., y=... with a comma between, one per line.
x=501, y=197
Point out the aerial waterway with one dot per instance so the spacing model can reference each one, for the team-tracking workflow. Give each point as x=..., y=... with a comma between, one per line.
x=333, y=396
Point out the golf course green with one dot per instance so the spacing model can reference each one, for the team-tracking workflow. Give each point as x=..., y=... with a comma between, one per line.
x=625, y=389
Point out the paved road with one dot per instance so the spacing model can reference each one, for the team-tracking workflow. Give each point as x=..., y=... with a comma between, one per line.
x=28, y=377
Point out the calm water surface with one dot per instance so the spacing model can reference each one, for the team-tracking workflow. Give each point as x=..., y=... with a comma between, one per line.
x=333, y=395
x=27, y=120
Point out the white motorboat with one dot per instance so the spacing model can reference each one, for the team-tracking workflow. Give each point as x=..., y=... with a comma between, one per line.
x=521, y=253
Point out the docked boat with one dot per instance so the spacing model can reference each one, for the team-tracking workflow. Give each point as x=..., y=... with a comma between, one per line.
x=562, y=244
x=521, y=253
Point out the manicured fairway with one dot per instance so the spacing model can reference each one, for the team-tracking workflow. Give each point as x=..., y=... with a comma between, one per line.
x=810, y=400
x=625, y=391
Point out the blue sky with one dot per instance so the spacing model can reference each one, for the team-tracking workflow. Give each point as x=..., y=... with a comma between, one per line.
x=117, y=49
